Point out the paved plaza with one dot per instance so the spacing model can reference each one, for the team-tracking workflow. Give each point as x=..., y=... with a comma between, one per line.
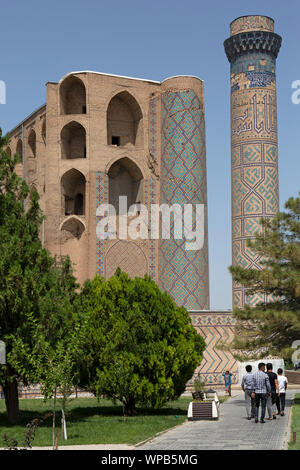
x=231, y=432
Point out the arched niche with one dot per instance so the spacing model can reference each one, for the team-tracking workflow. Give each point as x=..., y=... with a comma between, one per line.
x=73, y=193
x=125, y=179
x=19, y=151
x=73, y=141
x=72, y=96
x=124, y=121
x=8, y=151
x=32, y=144
x=44, y=133
x=72, y=228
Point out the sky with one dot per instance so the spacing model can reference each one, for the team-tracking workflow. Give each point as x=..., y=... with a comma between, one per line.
x=42, y=41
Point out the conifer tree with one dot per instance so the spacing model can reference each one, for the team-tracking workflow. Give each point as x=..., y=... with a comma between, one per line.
x=270, y=328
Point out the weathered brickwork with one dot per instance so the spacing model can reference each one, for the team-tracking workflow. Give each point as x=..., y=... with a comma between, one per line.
x=101, y=136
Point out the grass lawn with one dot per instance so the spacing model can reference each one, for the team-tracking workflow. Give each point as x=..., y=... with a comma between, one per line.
x=90, y=421
x=295, y=424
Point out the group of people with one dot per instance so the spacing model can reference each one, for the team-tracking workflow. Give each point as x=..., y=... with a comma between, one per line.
x=266, y=388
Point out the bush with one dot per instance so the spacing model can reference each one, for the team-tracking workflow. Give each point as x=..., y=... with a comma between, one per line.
x=141, y=348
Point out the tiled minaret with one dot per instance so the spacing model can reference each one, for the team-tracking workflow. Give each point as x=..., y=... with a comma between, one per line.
x=252, y=50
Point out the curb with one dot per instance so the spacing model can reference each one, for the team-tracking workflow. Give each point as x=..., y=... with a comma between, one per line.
x=287, y=436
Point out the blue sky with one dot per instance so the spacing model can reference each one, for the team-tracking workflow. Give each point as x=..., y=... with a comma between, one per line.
x=42, y=41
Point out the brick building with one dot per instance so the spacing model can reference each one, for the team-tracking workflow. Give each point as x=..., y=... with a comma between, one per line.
x=102, y=136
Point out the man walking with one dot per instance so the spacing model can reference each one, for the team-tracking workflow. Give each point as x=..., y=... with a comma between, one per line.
x=247, y=386
x=282, y=382
x=271, y=401
x=261, y=387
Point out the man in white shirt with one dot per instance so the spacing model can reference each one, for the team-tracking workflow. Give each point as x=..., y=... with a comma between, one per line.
x=282, y=383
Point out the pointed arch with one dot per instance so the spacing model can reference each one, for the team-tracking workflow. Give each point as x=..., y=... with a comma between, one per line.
x=44, y=131
x=72, y=96
x=32, y=143
x=74, y=227
x=124, y=121
x=73, y=141
x=73, y=184
x=19, y=149
x=125, y=179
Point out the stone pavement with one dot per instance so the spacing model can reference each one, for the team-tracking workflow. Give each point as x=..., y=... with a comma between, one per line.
x=231, y=432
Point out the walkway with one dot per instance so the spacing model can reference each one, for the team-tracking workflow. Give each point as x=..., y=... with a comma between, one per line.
x=231, y=432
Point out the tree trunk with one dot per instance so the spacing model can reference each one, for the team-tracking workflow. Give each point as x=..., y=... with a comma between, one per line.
x=130, y=407
x=11, y=395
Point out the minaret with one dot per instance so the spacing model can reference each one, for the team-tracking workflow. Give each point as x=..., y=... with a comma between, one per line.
x=252, y=50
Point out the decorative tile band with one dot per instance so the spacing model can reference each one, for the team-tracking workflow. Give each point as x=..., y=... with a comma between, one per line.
x=183, y=274
x=151, y=198
x=153, y=127
x=101, y=198
x=258, y=62
x=251, y=23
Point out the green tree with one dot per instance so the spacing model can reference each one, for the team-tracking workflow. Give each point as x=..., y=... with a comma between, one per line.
x=57, y=370
x=140, y=347
x=270, y=328
x=36, y=291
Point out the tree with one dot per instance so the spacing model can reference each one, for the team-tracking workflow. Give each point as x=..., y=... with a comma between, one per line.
x=140, y=347
x=57, y=371
x=270, y=328
x=36, y=291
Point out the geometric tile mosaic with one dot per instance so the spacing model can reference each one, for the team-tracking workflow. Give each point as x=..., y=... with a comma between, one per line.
x=215, y=327
x=254, y=154
x=101, y=198
x=183, y=274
